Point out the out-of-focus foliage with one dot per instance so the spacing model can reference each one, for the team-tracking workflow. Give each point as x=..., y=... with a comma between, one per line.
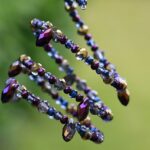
x=122, y=29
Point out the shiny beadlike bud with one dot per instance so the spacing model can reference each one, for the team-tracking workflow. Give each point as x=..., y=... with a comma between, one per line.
x=23, y=58
x=24, y=94
x=67, y=7
x=110, y=67
x=107, y=80
x=106, y=114
x=58, y=35
x=14, y=69
x=68, y=90
x=28, y=63
x=64, y=65
x=60, y=84
x=87, y=136
x=8, y=92
x=52, y=79
x=11, y=81
x=84, y=132
x=82, y=3
x=82, y=54
x=72, y=109
x=95, y=65
x=64, y=119
x=70, y=79
x=83, y=29
x=97, y=137
x=124, y=97
x=68, y=131
x=81, y=84
x=41, y=71
x=36, y=23
x=119, y=83
x=86, y=122
x=43, y=107
x=83, y=109
x=44, y=38
x=79, y=98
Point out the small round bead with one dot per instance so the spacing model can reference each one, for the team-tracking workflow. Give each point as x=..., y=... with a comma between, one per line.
x=79, y=98
x=69, y=44
x=64, y=119
x=14, y=69
x=95, y=65
x=73, y=94
x=41, y=71
x=86, y=122
x=67, y=90
x=75, y=48
x=63, y=39
x=52, y=79
x=107, y=80
x=60, y=84
x=24, y=94
x=72, y=109
x=76, y=19
x=41, y=82
x=94, y=47
x=83, y=29
x=87, y=90
x=89, y=60
x=55, y=95
x=58, y=115
x=48, y=47
x=51, y=111
x=43, y=107
x=28, y=63
x=88, y=36
x=97, y=137
x=70, y=79
x=23, y=57
x=73, y=13
x=82, y=3
x=59, y=59
x=106, y=113
x=36, y=102
x=82, y=54
x=82, y=131
x=35, y=67
x=67, y=7
x=64, y=104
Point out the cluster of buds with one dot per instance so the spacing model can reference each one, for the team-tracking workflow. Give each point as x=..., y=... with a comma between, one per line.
x=87, y=103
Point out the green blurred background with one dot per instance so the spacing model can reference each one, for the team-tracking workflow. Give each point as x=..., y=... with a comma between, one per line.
x=123, y=30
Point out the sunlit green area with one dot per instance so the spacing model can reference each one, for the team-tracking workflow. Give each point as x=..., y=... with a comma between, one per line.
x=122, y=29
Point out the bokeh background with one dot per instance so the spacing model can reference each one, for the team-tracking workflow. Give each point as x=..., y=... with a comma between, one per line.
x=123, y=30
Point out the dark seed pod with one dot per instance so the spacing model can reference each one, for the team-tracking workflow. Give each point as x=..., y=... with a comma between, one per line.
x=68, y=132
x=83, y=109
x=14, y=69
x=44, y=38
x=8, y=92
x=124, y=97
